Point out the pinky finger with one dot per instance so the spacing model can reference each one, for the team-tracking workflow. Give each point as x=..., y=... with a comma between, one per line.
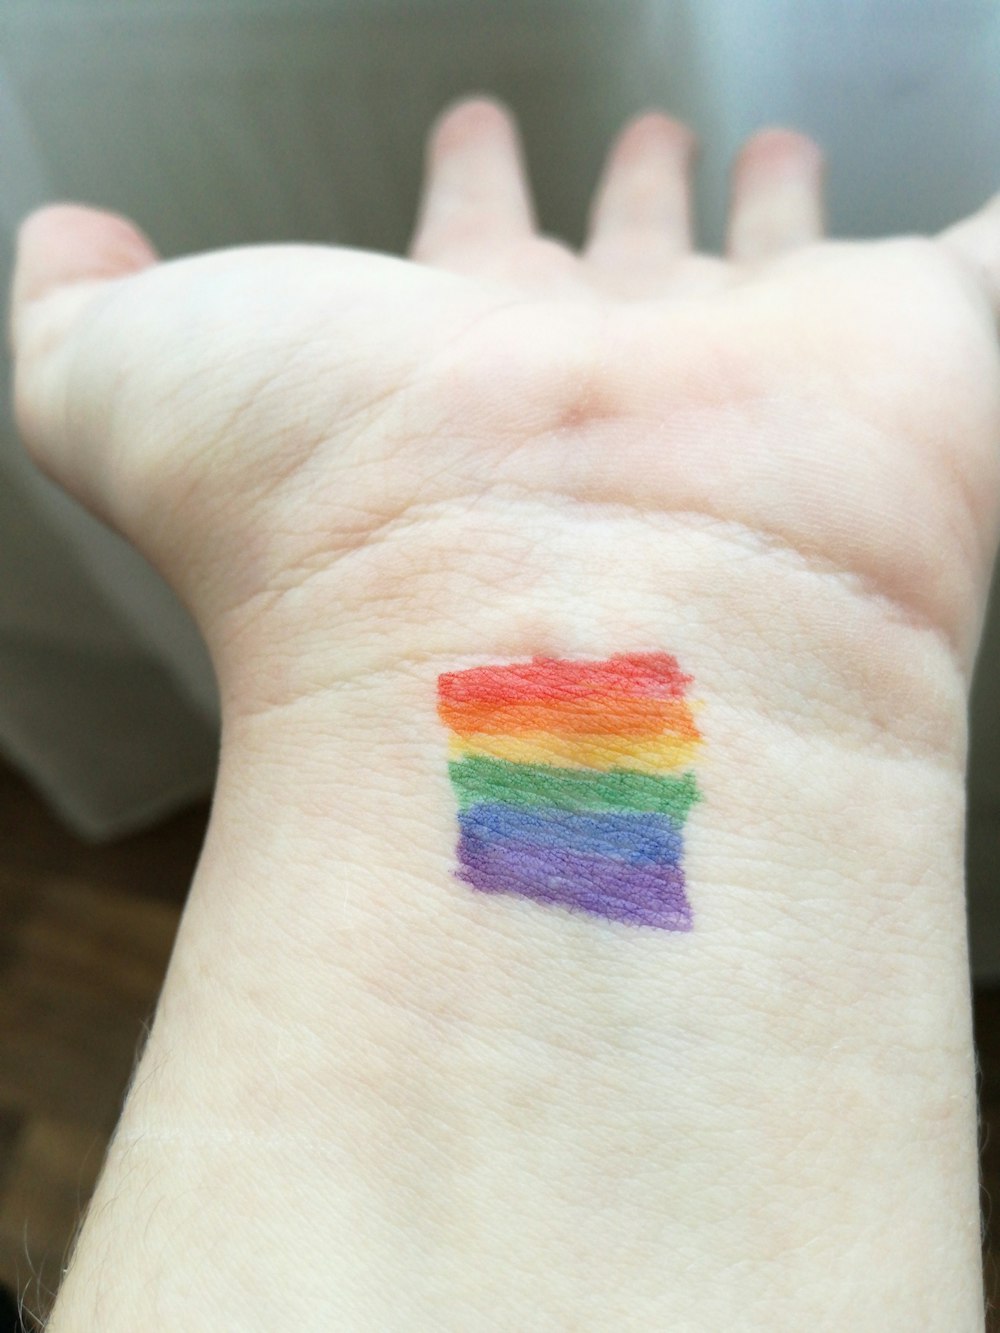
x=976, y=240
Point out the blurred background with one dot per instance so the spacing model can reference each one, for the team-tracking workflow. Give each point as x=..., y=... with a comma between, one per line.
x=219, y=122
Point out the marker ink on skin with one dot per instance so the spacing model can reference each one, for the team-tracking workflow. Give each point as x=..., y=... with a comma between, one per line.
x=573, y=782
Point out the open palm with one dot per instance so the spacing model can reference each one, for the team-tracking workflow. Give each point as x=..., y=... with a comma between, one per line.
x=247, y=416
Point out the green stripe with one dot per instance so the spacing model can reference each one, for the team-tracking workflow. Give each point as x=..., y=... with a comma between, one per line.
x=479, y=778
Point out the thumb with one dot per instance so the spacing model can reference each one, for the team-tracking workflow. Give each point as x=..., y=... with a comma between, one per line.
x=63, y=245
x=68, y=258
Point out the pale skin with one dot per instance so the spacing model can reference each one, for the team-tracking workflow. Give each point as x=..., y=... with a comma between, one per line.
x=373, y=1099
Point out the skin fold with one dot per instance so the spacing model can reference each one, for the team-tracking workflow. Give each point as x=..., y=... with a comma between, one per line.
x=373, y=1098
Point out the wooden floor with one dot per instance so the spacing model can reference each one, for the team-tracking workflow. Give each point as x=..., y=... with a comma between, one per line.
x=85, y=933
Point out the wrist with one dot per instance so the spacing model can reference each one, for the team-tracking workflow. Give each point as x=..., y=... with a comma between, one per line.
x=764, y=628
x=350, y=1008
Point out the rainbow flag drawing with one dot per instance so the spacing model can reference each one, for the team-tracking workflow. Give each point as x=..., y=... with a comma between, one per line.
x=573, y=782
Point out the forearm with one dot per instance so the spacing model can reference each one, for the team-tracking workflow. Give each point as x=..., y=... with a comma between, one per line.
x=502, y=1114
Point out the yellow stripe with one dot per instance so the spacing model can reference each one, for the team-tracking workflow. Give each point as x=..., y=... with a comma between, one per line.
x=657, y=755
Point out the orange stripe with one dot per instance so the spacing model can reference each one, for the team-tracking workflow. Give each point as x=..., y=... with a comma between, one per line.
x=610, y=714
x=657, y=754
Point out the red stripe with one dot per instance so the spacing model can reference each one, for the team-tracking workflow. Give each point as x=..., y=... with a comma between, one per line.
x=547, y=679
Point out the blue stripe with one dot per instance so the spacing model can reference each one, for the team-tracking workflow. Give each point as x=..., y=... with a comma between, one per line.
x=638, y=839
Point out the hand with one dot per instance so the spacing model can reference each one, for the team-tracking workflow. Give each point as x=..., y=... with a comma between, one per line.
x=250, y=416
x=428, y=1107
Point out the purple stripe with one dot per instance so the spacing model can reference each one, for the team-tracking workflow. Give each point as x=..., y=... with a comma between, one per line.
x=643, y=895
